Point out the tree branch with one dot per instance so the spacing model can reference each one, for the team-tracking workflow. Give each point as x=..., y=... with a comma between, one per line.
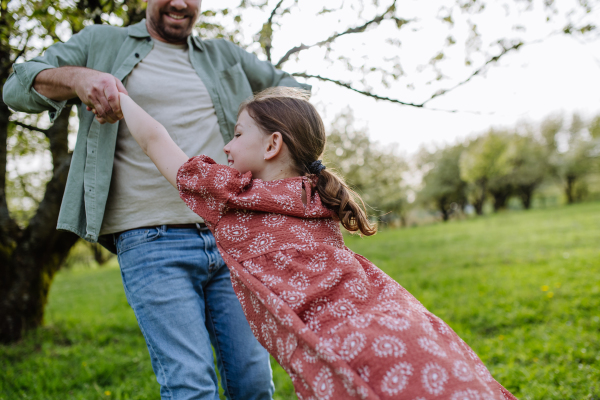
x=358, y=29
x=269, y=24
x=31, y=127
x=377, y=97
x=476, y=72
x=270, y=20
x=348, y=86
x=437, y=94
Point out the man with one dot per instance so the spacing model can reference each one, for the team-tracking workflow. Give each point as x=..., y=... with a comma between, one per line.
x=174, y=277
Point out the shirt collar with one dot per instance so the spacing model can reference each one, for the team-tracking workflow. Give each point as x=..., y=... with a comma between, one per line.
x=140, y=30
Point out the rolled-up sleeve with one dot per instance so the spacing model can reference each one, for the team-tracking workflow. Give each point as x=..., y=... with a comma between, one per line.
x=18, y=92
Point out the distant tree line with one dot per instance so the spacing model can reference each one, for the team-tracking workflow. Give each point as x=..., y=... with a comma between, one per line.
x=506, y=163
x=492, y=168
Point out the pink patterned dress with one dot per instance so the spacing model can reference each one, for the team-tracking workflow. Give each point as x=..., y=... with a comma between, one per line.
x=339, y=326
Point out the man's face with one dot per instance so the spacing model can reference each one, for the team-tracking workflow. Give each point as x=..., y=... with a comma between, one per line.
x=172, y=21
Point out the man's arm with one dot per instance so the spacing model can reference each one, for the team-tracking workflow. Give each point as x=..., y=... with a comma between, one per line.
x=97, y=90
x=43, y=85
x=154, y=139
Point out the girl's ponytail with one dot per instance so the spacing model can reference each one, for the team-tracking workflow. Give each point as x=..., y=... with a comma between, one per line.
x=344, y=202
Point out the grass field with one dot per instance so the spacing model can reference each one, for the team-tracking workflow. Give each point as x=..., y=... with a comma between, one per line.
x=522, y=288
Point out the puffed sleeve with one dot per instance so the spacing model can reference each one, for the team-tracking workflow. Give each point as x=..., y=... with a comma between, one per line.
x=206, y=186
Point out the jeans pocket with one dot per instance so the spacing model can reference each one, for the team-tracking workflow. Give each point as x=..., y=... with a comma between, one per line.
x=136, y=237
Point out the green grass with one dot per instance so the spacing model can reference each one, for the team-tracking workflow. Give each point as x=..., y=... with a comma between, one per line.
x=522, y=288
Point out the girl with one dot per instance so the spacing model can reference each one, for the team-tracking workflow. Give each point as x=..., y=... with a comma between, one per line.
x=339, y=326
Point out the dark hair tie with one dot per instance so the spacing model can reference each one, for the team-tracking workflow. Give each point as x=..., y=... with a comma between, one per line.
x=316, y=167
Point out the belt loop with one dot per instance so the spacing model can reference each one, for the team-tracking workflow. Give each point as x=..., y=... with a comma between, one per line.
x=198, y=227
x=163, y=228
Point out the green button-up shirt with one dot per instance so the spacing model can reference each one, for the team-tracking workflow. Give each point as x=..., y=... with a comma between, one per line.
x=229, y=73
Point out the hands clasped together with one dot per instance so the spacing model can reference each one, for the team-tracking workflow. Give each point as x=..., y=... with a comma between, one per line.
x=100, y=93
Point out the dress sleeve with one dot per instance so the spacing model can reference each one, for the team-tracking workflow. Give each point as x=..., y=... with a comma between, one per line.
x=206, y=186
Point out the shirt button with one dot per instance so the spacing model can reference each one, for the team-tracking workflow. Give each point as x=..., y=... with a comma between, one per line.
x=137, y=55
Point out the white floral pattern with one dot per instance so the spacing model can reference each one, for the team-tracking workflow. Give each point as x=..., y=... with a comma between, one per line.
x=234, y=233
x=293, y=298
x=261, y=243
x=343, y=308
x=271, y=280
x=361, y=320
x=281, y=260
x=243, y=216
x=395, y=324
x=343, y=256
x=396, y=379
x=274, y=220
x=434, y=377
x=323, y=384
x=357, y=288
x=468, y=394
x=331, y=279
x=285, y=201
x=462, y=372
x=352, y=345
x=386, y=345
x=431, y=346
x=221, y=178
x=299, y=281
x=318, y=262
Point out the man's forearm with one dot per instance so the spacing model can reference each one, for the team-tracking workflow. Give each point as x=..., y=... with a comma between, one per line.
x=59, y=84
x=98, y=90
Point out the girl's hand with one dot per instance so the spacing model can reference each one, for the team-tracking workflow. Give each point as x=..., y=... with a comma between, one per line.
x=100, y=119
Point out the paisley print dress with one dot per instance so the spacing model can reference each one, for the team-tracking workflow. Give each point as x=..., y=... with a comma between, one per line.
x=339, y=326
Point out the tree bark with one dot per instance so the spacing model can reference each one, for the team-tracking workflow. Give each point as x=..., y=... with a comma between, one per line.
x=526, y=194
x=443, y=209
x=479, y=200
x=500, y=199
x=569, y=189
x=34, y=254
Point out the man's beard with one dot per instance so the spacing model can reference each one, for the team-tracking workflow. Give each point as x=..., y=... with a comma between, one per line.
x=170, y=34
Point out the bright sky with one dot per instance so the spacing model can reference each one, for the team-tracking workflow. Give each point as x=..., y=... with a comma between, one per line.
x=559, y=74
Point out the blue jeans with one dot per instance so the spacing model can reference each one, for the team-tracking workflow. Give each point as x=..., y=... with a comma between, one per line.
x=180, y=290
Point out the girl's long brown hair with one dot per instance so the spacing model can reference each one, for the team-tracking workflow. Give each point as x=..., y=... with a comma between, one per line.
x=287, y=111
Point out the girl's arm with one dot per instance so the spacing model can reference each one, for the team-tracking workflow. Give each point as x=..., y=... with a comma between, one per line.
x=154, y=139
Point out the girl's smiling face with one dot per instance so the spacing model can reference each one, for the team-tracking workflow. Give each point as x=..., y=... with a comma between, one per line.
x=246, y=151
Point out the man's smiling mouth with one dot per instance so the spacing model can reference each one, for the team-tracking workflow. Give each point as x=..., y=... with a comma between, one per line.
x=175, y=16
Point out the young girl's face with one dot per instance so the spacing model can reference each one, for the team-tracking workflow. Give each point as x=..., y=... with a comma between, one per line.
x=246, y=151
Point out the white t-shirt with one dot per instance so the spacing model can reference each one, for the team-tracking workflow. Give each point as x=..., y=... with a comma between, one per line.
x=167, y=87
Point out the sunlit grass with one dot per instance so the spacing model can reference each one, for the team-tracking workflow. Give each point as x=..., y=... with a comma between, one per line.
x=523, y=289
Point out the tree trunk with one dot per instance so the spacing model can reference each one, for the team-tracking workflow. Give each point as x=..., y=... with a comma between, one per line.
x=443, y=209
x=479, y=200
x=526, y=195
x=569, y=189
x=500, y=199
x=30, y=257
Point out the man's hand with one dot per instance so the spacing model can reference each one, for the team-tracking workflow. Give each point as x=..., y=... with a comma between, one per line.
x=99, y=91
